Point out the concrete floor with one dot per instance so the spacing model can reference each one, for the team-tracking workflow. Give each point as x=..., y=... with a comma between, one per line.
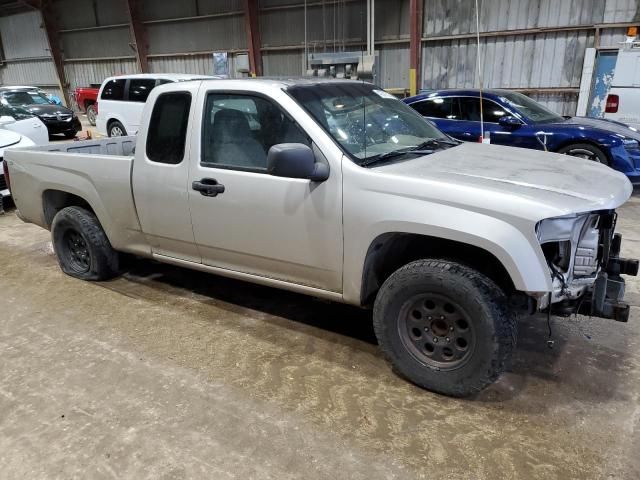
x=169, y=373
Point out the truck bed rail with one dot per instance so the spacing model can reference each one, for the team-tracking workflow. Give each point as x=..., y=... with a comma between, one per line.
x=121, y=146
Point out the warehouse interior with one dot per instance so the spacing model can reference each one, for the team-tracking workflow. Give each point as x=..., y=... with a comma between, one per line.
x=540, y=44
x=175, y=371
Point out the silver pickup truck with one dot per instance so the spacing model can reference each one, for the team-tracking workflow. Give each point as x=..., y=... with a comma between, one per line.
x=338, y=190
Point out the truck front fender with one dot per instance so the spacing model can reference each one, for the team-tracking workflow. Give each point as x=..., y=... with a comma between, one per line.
x=512, y=243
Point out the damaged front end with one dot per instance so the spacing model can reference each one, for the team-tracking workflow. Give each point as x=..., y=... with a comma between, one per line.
x=583, y=254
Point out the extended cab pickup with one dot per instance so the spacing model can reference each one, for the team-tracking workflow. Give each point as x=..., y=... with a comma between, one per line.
x=338, y=190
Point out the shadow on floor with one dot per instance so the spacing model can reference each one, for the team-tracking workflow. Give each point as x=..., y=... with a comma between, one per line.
x=577, y=365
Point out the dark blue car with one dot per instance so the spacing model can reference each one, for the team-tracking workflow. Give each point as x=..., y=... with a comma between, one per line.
x=516, y=120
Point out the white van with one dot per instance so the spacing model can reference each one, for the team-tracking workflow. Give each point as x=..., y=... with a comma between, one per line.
x=623, y=100
x=121, y=100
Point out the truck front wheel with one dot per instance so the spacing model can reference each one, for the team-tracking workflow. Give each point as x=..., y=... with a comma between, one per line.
x=444, y=326
x=82, y=247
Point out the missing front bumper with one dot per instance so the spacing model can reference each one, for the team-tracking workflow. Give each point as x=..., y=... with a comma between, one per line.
x=606, y=298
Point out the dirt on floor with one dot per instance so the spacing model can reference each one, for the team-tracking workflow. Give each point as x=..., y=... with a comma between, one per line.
x=171, y=373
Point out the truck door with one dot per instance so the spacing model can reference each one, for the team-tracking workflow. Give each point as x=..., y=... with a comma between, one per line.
x=160, y=175
x=281, y=228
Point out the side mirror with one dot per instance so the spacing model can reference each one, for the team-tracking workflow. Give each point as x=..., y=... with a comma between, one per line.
x=295, y=160
x=509, y=121
x=6, y=120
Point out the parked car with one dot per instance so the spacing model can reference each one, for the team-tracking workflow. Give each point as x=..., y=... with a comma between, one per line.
x=50, y=96
x=87, y=100
x=9, y=139
x=283, y=183
x=516, y=120
x=122, y=98
x=20, y=121
x=623, y=100
x=57, y=118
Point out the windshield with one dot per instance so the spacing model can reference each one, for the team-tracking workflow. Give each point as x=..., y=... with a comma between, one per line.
x=15, y=112
x=530, y=108
x=25, y=98
x=366, y=121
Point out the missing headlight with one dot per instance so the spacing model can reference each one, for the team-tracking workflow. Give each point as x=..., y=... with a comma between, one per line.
x=558, y=254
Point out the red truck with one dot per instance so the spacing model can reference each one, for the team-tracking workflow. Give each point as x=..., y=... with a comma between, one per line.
x=87, y=100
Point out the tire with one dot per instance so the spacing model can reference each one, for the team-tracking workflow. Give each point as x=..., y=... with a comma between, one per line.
x=70, y=135
x=82, y=247
x=586, y=151
x=91, y=115
x=116, y=129
x=429, y=306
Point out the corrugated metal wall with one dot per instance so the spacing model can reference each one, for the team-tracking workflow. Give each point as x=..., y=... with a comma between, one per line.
x=26, y=62
x=536, y=60
x=182, y=35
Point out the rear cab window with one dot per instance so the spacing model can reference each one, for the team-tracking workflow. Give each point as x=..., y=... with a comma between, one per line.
x=167, y=133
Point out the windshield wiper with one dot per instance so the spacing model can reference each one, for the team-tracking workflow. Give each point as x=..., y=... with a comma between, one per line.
x=394, y=153
x=438, y=143
x=421, y=149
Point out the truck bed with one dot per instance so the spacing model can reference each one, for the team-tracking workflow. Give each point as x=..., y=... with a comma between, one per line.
x=98, y=171
x=120, y=146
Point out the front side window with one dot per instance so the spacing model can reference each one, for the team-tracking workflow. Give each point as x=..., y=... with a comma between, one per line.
x=239, y=130
x=438, y=107
x=139, y=89
x=168, y=128
x=365, y=121
x=113, y=90
x=491, y=111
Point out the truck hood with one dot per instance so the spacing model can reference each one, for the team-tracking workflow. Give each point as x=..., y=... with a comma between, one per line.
x=520, y=181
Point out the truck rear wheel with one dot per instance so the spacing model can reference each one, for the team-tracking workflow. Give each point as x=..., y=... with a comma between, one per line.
x=91, y=114
x=444, y=326
x=82, y=247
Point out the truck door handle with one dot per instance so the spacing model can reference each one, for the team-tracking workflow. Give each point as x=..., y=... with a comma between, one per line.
x=209, y=187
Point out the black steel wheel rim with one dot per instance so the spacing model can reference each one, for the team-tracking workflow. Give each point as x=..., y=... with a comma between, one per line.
x=77, y=250
x=436, y=331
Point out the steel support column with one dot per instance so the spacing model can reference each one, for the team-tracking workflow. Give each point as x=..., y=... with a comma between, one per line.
x=415, y=45
x=138, y=34
x=253, y=36
x=50, y=25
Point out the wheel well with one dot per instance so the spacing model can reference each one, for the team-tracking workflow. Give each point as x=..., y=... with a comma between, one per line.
x=390, y=251
x=55, y=200
x=88, y=103
x=585, y=141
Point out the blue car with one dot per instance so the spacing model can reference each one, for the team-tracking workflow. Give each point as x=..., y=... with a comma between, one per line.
x=516, y=120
